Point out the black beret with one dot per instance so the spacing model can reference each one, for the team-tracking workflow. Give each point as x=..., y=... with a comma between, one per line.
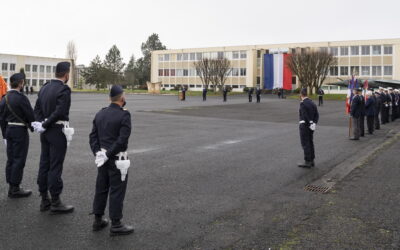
x=303, y=92
x=116, y=90
x=17, y=77
x=63, y=67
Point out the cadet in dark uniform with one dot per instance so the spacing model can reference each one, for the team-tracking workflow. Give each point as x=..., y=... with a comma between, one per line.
x=52, y=110
x=370, y=112
x=355, y=113
x=308, y=116
x=393, y=104
x=16, y=115
x=258, y=94
x=225, y=92
x=183, y=93
x=204, y=94
x=110, y=135
x=362, y=117
x=251, y=91
x=388, y=105
x=321, y=94
x=378, y=107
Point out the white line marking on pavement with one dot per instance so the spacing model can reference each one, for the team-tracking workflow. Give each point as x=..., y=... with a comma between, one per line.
x=221, y=144
x=141, y=150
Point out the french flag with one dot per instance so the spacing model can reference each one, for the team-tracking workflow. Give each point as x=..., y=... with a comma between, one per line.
x=277, y=74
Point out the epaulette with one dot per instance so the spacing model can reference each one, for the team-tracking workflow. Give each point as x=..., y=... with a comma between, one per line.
x=124, y=109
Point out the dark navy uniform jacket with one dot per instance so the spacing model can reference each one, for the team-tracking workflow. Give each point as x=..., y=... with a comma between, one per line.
x=111, y=130
x=258, y=92
x=53, y=103
x=20, y=105
x=370, y=107
x=308, y=111
x=356, y=107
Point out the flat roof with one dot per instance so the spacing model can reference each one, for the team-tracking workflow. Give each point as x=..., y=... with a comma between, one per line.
x=44, y=57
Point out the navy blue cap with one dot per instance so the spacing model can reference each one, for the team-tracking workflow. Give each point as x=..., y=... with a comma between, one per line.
x=303, y=91
x=116, y=90
x=63, y=67
x=17, y=77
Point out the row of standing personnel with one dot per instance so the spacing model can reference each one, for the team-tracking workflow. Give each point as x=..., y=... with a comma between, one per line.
x=379, y=107
x=50, y=117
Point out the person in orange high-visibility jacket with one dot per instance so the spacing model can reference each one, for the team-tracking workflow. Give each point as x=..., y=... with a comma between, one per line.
x=3, y=87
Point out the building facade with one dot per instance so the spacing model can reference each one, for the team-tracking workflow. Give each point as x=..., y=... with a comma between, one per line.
x=38, y=70
x=369, y=59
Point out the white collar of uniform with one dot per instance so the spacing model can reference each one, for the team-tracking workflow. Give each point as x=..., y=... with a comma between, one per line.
x=304, y=99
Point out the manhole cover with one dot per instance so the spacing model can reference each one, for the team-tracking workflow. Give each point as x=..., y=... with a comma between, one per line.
x=317, y=189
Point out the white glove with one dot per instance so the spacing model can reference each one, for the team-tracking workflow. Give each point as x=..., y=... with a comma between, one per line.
x=5, y=142
x=38, y=127
x=101, y=158
x=313, y=126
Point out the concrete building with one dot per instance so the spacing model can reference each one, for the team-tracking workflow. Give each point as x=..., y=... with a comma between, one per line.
x=38, y=70
x=371, y=59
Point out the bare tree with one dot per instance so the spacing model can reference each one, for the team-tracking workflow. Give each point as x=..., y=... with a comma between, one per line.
x=311, y=67
x=72, y=54
x=203, y=69
x=220, y=69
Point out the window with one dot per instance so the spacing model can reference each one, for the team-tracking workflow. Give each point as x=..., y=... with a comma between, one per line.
x=355, y=50
x=54, y=69
x=34, y=82
x=27, y=67
x=365, y=50
x=41, y=82
x=334, y=71
x=344, y=51
x=41, y=68
x=172, y=72
x=179, y=72
x=12, y=66
x=235, y=55
x=365, y=70
x=166, y=57
x=28, y=82
x=192, y=86
x=220, y=55
x=334, y=51
x=388, y=49
x=160, y=72
x=324, y=49
x=192, y=72
x=199, y=56
x=185, y=72
x=388, y=70
x=160, y=58
x=179, y=57
x=4, y=66
x=344, y=71
x=376, y=70
x=34, y=68
x=258, y=53
x=185, y=56
x=228, y=73
x=243, y=72
x=48, y=69
x=192, y=56
x=243, y=54
x=355, y=70
x=235, y=72
x=376, y=50
x=166, y=72
x=214, y=55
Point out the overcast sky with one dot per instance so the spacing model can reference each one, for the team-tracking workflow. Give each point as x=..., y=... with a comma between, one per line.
x=43, y=27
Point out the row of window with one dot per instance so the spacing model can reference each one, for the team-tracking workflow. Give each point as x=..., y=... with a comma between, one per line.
x=200, y=86
x=32, y=82
x=365, y=70
x=192, y=72
x=230, y=55
x=364, y=50
x=29, y=68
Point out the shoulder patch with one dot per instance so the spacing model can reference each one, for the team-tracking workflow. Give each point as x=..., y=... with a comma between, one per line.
x=124, y=109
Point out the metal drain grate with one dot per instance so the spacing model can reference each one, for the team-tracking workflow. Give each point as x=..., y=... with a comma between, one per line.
x=317, y=189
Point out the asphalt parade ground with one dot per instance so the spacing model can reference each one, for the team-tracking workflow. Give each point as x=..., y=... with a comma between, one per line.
x=214, y=175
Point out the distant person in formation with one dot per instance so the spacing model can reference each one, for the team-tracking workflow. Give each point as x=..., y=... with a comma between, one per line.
x=204, y=94
x=183, y=93
x=384, y=105
x=225, y=93
x=16, y=116
x=27, y=90
x=389, y=105
x=250, y=93
x=362, y=117
x=393, y=104
x=31, y=90
x=258, y=94
x=355, y=113
x=378, y=107
x=308, y=116
x=321, y=94
x=109, y=140
x=52, y=113
x=279, y=93
x=396, y=103
x=370, y=112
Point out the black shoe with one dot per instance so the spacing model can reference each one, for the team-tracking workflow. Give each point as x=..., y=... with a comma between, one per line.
x=306, y=164
x=312, y=164
x=57, y=207
x=45, y=203
x=120, y=229
x=99, y=223
x=18, y=192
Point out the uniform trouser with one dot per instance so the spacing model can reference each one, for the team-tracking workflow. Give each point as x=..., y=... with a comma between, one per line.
x=362, y=125
x=383, y=114
x=204, y=97
x=356, y=127
x=258, y=98
x=224, y=98
x=370, y=124
x=320, y=100
x=307, y=142
x=54, y=148
x=109, y=182
x=17, y=150
x=250, y=98
x=394, y=112
x=387, y=115
x=377, y=122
